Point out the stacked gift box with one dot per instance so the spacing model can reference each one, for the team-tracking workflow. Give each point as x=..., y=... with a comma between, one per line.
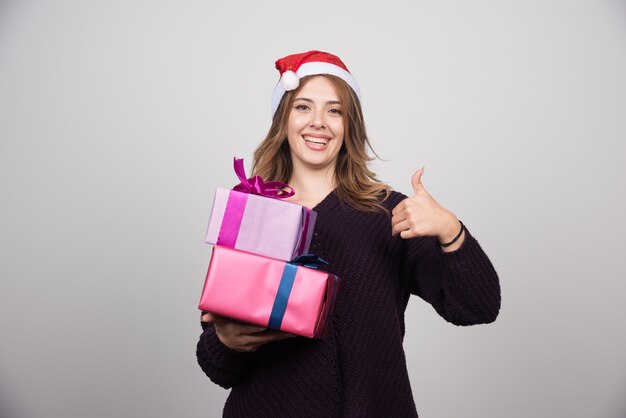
x=260, y=270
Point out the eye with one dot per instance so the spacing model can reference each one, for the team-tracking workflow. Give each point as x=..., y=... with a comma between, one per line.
x=335, y=111
x=301, y=107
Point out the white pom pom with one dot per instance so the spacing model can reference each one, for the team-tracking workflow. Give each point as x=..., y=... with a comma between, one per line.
x=289, y=80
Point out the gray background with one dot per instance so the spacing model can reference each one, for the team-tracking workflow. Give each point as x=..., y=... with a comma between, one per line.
x=118, y=119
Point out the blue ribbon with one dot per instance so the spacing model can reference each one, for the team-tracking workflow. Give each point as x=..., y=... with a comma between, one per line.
x=286, y=284
x=282, y=295
x=309, y=260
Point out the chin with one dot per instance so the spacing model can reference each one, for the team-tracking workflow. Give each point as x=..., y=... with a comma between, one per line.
x=319, y=161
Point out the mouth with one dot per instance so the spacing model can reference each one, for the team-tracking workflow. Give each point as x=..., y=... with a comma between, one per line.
x=315, y=140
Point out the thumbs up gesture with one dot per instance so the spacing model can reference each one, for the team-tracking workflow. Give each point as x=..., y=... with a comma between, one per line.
x=421, y=215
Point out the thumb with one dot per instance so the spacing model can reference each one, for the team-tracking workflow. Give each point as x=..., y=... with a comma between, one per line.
x=416, y=181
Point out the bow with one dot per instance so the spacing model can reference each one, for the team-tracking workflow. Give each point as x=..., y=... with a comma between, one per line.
x=309, y=260
x=256, y=185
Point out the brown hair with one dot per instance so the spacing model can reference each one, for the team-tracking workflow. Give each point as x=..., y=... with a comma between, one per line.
x=356, y=183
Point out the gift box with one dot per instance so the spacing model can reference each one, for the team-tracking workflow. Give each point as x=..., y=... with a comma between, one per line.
x=281, y=295
x=252, y=217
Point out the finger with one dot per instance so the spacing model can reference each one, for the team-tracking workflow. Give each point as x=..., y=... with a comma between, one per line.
x=396, y=209
x=266, y=337
x=393, y=227
x=221, y=322
x=207, y=317
x=401, y=227
x=280, y=335
x=238, y=328
x=416, y=181
x=254, y=329
x=277, y=334
x=252, y=342
x=408, y=233
x=398, y=217
x=400, y=207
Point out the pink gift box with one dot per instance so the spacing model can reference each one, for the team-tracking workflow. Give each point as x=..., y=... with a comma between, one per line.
x=260, y=225
x=268, y=292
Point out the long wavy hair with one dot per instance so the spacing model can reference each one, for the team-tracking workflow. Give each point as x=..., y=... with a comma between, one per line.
x=356, y=184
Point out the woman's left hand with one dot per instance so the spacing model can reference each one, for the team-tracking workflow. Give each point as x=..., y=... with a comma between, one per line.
x=421, y=215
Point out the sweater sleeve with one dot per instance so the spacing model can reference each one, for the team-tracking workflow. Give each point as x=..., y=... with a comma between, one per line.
x=222, y=365
x=461, y=285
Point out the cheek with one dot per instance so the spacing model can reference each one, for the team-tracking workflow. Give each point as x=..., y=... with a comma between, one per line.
x=294, y=125
x=291, y=140
x=339, y=146
x=339, y=131
x=292, y=130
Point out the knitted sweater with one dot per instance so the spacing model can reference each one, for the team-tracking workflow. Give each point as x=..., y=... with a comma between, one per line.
x=359, y=369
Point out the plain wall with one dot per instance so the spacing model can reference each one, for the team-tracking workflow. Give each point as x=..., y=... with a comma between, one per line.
x=118, y=120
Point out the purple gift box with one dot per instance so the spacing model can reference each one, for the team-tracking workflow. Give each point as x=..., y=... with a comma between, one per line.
x=252, y=218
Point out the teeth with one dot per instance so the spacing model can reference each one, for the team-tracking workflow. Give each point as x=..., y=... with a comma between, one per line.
x=315, y=140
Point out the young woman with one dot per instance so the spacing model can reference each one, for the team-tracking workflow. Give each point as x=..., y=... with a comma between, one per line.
x=385, y=246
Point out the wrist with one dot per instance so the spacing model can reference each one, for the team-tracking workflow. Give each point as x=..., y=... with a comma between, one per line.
x=450, y=229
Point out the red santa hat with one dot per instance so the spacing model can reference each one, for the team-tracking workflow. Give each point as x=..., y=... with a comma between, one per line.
x=293, y=67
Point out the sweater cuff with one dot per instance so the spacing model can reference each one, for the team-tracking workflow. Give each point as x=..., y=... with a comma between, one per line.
x=212, y=350
x=473, y=286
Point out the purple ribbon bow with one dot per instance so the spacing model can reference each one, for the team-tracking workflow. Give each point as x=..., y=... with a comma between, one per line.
x=256, y=185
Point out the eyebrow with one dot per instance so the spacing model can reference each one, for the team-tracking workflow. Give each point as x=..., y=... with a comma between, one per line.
x=311, y=101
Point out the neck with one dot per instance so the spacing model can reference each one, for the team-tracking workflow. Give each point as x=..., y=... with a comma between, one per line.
x=312, y=183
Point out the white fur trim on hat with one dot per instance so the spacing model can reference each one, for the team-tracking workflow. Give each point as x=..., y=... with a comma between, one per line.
x=312, y=68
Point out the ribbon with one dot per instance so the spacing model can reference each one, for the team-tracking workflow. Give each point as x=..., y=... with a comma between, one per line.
x=282, y=296
x=231, y=223
x=256, y=185
x=309, y=260
x=236, y=204
x=286, y=284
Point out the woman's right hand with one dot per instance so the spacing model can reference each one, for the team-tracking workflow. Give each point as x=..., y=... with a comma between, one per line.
x=240, y=336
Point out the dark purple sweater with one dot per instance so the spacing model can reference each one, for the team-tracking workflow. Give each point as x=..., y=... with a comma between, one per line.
x=359, y=370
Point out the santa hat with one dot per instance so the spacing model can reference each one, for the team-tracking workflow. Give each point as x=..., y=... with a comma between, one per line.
x=293, y=67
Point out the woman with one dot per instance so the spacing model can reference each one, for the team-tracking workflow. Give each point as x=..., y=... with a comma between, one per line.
x=385, y=246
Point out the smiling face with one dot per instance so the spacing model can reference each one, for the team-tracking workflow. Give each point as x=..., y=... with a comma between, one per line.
x=315, y=126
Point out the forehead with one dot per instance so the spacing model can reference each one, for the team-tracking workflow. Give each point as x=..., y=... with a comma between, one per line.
x=318, y=88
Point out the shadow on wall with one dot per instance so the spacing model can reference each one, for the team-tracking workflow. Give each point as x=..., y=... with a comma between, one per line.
x=620, y=406
x=7, y=408
x=8, y=12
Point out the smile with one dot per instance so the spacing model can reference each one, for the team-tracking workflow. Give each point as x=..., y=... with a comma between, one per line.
x=314, y=140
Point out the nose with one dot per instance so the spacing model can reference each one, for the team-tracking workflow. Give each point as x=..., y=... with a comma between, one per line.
x=318, y=120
